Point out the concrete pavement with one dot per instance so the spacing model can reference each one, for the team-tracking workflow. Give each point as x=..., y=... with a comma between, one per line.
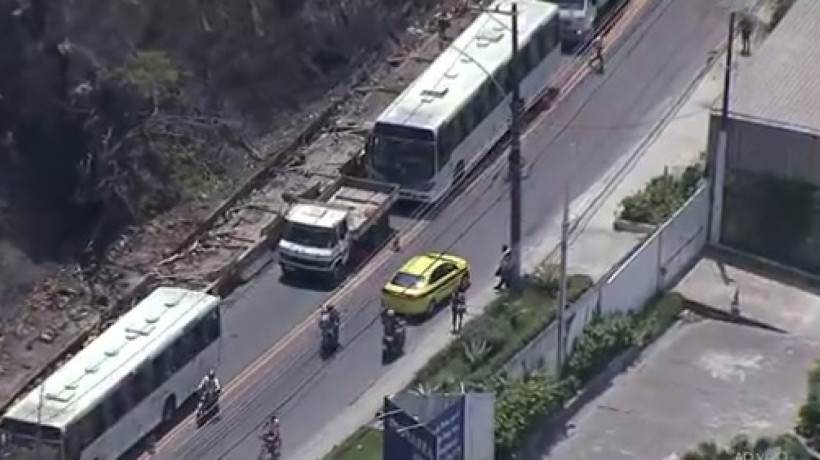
x=708, y=379
x=605, y=118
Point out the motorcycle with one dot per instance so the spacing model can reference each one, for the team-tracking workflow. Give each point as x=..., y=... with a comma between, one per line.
x=207, y=407
x=393, y=344
x=330, y=336
x=271, y=449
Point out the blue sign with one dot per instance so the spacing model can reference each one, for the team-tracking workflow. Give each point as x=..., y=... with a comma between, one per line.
x=405, y=438
x=448, y=428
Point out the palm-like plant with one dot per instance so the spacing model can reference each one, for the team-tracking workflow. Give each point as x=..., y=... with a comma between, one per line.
x=475, y=351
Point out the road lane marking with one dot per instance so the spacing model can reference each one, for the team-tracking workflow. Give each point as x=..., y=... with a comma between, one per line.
x=575, y=72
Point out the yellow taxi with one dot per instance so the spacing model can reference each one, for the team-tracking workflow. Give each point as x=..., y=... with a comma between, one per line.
x=425, y=282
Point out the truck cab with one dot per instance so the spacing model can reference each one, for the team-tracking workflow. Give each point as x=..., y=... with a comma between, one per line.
x=328, y=236
x=316, y=238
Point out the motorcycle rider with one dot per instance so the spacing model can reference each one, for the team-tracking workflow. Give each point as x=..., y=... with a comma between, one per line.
x=392, y=323
x=210, y=387
x=271, y=434
x=329, y=318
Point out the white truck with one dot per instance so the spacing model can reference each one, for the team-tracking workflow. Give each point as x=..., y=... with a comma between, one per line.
x=328, y=236
x=580, y=18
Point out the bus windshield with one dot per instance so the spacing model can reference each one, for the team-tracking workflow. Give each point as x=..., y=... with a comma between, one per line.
x=407, y=161
x=24, y=448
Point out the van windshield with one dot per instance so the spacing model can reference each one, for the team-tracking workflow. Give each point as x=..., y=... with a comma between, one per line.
x=572, y=4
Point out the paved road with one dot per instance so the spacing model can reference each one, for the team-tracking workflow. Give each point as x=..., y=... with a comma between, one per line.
x=608, y=115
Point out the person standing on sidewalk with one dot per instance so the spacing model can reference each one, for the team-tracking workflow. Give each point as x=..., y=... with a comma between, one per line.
x=503, y=271
x=458, y=306
x=745, y=26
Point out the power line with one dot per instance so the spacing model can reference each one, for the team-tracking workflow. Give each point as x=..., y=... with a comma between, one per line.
x=425, y=210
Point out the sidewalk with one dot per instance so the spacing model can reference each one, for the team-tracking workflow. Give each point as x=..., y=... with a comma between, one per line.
x=594, y=249
x=594, y=245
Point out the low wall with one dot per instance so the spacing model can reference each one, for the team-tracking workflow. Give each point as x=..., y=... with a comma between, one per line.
x=656, y=265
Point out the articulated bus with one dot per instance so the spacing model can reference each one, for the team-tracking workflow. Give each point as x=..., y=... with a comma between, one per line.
x=122, y=385
x=442, y=125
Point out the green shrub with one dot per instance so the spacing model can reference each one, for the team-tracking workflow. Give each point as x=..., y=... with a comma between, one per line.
x=602, y=339
x=783, y=446
x=509, y=322
x=522, y=404
x=661, y=197
x=654, y=321
x=808, y=417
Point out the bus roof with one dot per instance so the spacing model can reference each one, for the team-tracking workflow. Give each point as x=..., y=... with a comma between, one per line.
x=142, y=333
x=460, y=70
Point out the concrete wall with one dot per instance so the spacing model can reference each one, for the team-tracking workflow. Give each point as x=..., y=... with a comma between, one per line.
x=761, y=147
x=656, y=265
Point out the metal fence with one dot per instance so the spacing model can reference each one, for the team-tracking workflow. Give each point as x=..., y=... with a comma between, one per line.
x=653, y=267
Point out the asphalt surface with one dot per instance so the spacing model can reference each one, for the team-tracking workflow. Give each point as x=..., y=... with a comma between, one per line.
x=608, y=116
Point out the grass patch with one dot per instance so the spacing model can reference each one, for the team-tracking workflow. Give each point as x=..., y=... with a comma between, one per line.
x=511, y=321
x=365, y=444
x=661, y=197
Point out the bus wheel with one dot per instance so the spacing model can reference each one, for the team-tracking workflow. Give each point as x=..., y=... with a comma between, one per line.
x=169, y=410
x=458, y=176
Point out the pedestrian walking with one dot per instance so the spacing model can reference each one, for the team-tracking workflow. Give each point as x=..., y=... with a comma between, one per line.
x=442, y=26
x=597, y=61
x=458, y=306
x=745, y=26
x=503, y=271
x=734, y=308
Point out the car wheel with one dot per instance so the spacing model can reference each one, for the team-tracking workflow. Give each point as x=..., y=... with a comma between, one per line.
x=431, y=309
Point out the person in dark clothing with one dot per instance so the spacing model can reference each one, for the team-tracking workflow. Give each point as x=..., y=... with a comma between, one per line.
x=745, y=27
x=458, y=306
x=503, y=271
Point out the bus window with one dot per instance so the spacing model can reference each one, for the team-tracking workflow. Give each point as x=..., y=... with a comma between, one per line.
x=161, y=368
x=144, y=382
x=97, y=421
x=214, y=326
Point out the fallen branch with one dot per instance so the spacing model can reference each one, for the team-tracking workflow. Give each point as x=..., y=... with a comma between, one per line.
x=179, y=255
x=256, y=154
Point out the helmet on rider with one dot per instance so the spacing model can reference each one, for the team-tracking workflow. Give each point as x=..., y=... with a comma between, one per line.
x=211, y=374
x=391, y=313
x=274, y=421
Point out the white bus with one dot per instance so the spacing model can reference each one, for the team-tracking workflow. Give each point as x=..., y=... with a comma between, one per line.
x=448, y=119
x=120, y=386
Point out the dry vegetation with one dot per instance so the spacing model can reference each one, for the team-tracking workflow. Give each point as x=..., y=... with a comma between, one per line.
x=122, y=123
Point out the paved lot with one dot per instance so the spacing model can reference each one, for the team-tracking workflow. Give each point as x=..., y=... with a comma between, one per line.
x=708, y=379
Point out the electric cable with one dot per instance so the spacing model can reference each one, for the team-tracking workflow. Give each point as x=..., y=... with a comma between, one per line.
x=429, y=208
x=426, y=210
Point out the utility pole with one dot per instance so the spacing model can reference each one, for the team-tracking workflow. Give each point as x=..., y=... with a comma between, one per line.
x=562, y=297
x=515, y=155
x=718, y=163
x=727, y=72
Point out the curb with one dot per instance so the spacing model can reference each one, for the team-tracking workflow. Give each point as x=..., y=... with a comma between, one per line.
x=624, y=225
